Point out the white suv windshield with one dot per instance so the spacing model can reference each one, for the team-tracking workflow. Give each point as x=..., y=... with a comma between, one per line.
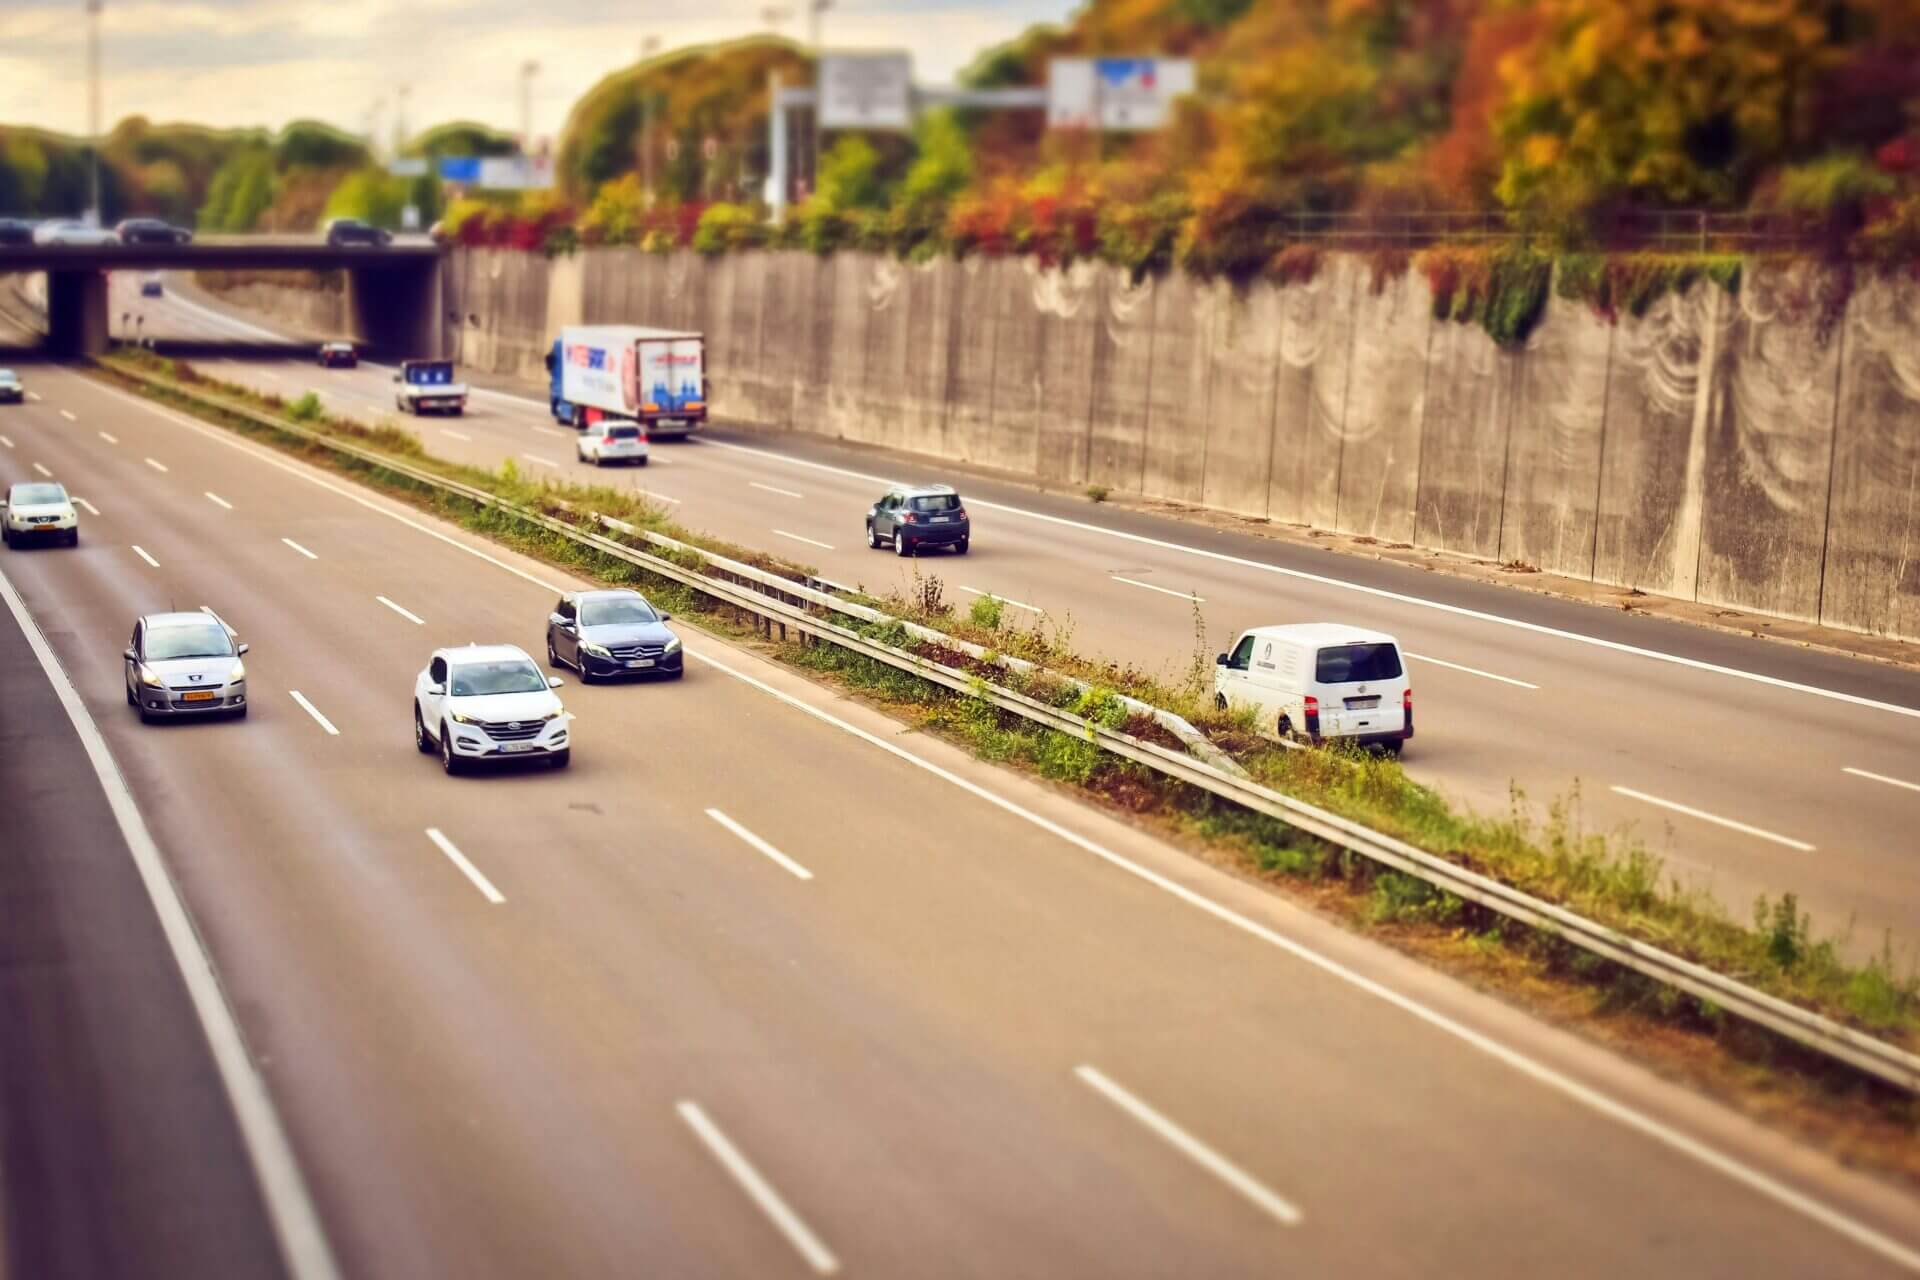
x=479, y=679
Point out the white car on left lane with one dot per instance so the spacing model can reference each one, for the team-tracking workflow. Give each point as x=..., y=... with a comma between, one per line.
x=489, y=702
x=69, y=231
x=38, y=510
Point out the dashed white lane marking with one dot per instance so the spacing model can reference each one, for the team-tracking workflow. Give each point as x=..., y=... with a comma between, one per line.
x=1881, y=777
x=302, y=550
x=759, y=1190
x=314, y=711
x=157, y=465
x=812, y=542
x=467, y=869
x=785, y=493
x=1472, y=671
x=975, y=591
x=1191, y=1147
x=1715, y=818
x=410, y=617
x=1165, y=591
x=142, y=553
x=760, y=845
x=217, y=500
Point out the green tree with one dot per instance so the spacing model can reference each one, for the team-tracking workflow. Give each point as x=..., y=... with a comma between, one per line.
x=371, y=195
x=850, y=176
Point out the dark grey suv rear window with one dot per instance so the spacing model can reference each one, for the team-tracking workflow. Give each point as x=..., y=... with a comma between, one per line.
x=937, y=502
x=1352, y=663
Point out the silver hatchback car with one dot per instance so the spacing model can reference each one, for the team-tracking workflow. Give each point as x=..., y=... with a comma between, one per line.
x=185, y=664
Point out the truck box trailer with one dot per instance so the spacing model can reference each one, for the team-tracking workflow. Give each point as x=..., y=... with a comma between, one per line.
x=656, y=377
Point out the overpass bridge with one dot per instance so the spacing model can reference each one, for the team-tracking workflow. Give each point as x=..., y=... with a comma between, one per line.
x=394, y=292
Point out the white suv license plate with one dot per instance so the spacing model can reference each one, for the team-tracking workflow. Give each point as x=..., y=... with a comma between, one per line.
x=517, y=747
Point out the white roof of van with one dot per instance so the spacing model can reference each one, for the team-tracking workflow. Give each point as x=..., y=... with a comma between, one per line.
x=608, y=334
x=1320, y=634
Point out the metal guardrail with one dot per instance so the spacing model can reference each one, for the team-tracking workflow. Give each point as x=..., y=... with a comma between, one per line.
x=1809, y=1030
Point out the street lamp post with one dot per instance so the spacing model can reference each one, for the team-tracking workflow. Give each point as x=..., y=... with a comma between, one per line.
x=402, y=93
x=93, y=105
x=648, y=47
x=814, y=9
x=528, y=70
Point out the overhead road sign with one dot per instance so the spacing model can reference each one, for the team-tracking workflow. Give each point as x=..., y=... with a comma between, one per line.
x=866, y=90
x=1115, y=93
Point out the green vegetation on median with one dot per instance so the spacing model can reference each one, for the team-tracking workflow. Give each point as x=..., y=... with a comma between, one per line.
x=1608, y=877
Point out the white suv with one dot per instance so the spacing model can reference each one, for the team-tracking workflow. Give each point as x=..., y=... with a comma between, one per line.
x=38, y=510
x=489, y=702
x=611, y=440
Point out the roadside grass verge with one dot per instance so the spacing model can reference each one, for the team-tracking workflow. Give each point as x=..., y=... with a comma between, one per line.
x=1550, y=854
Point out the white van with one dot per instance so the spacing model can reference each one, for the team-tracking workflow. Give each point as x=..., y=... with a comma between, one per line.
x=1320, y=681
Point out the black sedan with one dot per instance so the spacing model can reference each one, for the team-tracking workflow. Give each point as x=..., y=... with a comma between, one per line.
x=15, y=231
x=152, y=231
x=602, y=634
x=349, y=231
x=339, y=355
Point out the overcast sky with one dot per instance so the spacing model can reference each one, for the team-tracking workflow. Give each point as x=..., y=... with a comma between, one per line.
x=234, y=62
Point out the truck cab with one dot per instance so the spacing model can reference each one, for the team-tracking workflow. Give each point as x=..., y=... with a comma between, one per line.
x=428, y=386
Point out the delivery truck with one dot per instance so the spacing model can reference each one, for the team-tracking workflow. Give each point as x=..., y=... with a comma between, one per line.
x=656, y=377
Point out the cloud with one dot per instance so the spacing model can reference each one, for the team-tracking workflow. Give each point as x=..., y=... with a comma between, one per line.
x=248, y=62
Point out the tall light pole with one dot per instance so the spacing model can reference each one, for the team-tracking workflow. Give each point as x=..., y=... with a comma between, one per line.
x=528, y=70
x=93, y=104
x=402, y=93
x=648, y=47
x=814, y=9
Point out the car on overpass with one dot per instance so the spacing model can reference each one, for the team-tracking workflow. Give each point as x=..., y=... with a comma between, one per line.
x=489, y=703
x=12, y=390
x=38, y=510
x=151, y=286
x=915, y=516
x=185, y=664
x=16, y=231
x=616, y=632
x=152, y=231
x=338, y=355
x=71, y=231
x=350, y=231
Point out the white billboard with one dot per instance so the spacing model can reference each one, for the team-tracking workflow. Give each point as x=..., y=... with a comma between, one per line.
x=515, y=173
x=1115, y=93
x=871, y=90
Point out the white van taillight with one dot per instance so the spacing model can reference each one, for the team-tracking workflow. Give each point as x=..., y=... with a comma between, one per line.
x=1313, y=716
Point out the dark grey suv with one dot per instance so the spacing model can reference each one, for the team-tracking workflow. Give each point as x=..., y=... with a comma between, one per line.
x=915, y=516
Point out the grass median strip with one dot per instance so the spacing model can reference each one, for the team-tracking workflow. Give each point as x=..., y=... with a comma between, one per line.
x=1546, y=852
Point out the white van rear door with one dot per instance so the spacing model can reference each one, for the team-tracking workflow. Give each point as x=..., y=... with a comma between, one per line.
x=1360, y=688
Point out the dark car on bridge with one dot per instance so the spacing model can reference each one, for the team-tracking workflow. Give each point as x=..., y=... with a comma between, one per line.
x=603, y=634
x=15, y=231
x=345, y=231
x=152, y=231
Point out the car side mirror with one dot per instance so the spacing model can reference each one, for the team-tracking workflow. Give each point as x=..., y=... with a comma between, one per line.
x=131, y=656
x=436, y=689
x=554, y=682
x=243, y=649
x=1220, y=661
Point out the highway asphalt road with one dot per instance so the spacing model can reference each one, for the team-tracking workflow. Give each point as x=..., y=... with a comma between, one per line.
x=1804, y=778
x=587, y=1023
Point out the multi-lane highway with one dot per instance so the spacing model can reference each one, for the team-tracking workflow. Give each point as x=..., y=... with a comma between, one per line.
x=762, y=986
x=1752, y=766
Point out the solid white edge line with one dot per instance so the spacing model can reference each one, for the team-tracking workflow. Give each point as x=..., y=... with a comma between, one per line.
x=1714, y=818
x=1881, y=777
x=785, y=493
x=471, y=872
x=142, y=553
x=88, y=505
x=109, y=438
x=761, y=845
x=1472, y=671
x=1648, y=1127
x=157, y=465
x=1165, y=591
x=1380, y=593
x=290, y=1208
x=758, y=1190
x=216, y=499
x=302, y=550
x=407, y=614
x=43, y=471
x=1191, y=1147
x=812, y=542
x=1540, y=1073
x=1002, y=599
x=314, y=711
